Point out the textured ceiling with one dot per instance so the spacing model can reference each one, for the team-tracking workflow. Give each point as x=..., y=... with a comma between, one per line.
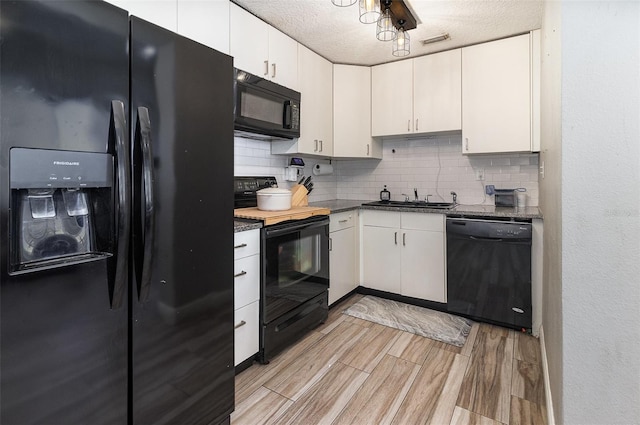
x=337, y=34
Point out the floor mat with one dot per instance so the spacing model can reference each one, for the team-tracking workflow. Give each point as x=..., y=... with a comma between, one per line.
x=422, y=321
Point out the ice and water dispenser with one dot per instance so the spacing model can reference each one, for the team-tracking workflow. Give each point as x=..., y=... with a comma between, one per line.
x=61, y=208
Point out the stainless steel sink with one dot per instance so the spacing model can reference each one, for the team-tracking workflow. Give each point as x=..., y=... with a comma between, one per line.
x=412, y=204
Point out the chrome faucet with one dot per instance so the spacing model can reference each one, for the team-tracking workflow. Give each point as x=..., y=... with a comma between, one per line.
x=426, y=199
x=406, y=197
x=455, y=197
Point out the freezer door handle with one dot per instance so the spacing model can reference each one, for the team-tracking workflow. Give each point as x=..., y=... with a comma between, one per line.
x=143, y=134
x=118, y=134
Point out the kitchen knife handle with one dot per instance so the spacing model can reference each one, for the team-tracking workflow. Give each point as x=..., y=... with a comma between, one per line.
x=118, y=275
x=148, y=178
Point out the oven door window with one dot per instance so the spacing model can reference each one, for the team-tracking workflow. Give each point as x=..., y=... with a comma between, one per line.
x=296, y=270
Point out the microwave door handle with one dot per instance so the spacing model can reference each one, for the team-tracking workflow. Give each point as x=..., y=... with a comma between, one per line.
x=148, y=178
x=118, y=273
x=286, y=119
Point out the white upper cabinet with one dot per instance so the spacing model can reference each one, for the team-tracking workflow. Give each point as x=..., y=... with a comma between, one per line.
x=160, y=12
x=205, y=21
x=420, y=95
x=392, y=98
x=352, y=113
x=316, y=118
x=437, y=93
x=260, y=49
x=496, y=96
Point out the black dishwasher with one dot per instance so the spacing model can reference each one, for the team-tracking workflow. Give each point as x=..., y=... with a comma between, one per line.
x=489, y=270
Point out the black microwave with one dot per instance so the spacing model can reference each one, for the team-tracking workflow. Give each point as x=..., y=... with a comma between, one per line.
x=264, y=107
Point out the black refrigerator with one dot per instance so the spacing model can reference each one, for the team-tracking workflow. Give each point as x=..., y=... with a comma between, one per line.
x=116, y=220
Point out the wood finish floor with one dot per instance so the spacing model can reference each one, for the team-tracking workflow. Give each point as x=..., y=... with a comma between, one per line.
x=350, y=371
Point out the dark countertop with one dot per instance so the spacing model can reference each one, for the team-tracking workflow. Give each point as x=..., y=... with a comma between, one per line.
x=243, y=225
x=339, y=205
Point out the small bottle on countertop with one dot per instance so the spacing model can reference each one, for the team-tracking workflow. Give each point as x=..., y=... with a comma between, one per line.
x=385, y=195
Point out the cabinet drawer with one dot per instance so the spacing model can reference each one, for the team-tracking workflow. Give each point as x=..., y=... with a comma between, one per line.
x=381, y=218
x=245, y=332
x=343, y=220
x=246, y=281
x=246, y=243
x=423, y=221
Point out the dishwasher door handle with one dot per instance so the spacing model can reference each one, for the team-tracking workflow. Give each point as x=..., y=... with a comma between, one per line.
x=480, y=238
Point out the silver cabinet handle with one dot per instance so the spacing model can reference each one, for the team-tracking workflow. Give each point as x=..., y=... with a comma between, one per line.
x=417, y=124
x=367, y=149
x=242, y=323
x=242, y=245
x=343, y=221
x=320, y=145
x=315, y=149
x=242, y=273
x=266, y=67
x=404, y=239
x=273, y=70
x=395, y=236
x=408, y=125
x=330, y=244
x=466, y=143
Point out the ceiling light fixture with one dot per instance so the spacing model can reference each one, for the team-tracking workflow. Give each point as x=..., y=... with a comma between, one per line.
x=401, y=45
x=369, y=11
x=393, y=21
x=435, y=39
x=385, y=30
x=343, y=3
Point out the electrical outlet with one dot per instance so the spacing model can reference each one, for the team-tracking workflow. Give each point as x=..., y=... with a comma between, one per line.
x=489, y=189
x=480, y=174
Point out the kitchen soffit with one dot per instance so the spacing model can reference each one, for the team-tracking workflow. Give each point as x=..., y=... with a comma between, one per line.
x=335, y=32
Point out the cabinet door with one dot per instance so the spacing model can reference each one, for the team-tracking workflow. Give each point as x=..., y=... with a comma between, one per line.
x=342, y=263
x=381, y=258
x=352, y=113
x=283, y=59
x=159, y=12
x=437, y=93
x=205, y=21
x=423, y=266
x=316, y=136
x=246, y=333
x=392, y=98
x=248, y=42
x=496, y=96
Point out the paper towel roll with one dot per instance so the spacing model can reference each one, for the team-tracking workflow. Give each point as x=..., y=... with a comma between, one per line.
x=322, y=169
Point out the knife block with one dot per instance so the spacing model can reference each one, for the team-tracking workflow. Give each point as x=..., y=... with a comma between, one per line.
x=299, y=196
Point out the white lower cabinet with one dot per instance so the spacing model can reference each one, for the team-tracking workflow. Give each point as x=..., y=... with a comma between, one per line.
x=343, y=255
x=246, y=294
x=403, y=253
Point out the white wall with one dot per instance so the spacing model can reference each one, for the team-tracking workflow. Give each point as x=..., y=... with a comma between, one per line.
x=551, y=202
x=433, y=165
x=601, y=212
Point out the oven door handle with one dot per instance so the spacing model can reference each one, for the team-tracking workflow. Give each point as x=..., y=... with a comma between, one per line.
x=294, y=227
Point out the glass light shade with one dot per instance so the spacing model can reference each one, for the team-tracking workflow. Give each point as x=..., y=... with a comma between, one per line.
x=401, y=44
x=385, y=30
x=369, y=11
x=343, y=3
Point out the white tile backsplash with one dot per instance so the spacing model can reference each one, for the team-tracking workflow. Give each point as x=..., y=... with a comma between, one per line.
x=433, y=164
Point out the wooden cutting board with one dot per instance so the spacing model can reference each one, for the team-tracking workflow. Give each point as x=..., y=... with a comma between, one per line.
x=273, y=217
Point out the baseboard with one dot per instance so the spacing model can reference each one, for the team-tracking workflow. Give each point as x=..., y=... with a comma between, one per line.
x=547, y=382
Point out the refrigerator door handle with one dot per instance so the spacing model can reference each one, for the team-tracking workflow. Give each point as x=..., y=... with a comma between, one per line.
x=118, y=279
x=144, y=128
